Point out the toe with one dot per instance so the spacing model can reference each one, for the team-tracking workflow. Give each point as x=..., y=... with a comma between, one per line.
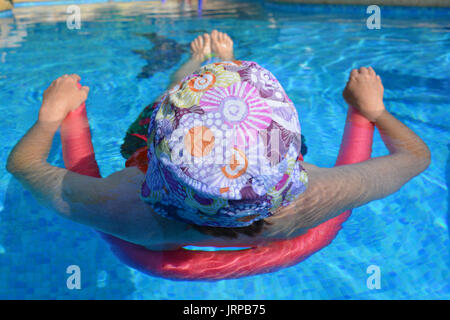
x=214, y=34
x=229, y=40
x=196, y=45
x=207, y=39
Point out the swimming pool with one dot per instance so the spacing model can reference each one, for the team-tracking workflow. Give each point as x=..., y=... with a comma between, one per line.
x=311, y=50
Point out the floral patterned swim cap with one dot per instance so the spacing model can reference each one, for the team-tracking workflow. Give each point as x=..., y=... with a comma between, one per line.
x=224, y=148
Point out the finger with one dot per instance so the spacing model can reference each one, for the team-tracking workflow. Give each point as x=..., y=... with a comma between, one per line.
x=76, y=77
x=363, y=70
x=354, y=73
x=85, y=89
x=371, y=71
x=200, y=41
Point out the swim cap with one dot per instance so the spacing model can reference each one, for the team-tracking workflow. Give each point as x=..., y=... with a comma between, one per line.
x=224, y=147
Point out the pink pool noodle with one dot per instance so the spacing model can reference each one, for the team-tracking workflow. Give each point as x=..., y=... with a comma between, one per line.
x=78, y=152
x=183, y=264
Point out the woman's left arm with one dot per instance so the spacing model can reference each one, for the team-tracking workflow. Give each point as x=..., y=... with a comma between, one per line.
x=28, y=159
x=111, y=205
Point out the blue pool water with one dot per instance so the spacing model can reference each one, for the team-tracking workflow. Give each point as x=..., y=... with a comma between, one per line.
x=311, y=50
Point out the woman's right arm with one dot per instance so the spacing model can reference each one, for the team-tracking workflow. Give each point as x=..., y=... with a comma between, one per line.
x=408, y=154
x=399, y=139
x=333, y=190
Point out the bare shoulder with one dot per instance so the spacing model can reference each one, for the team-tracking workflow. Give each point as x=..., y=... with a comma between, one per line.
x=309, y=166
x=126, y=215
x=329, y=192
x=296, y=218
x=123, y=187
x=127, y=175
x=137, y=221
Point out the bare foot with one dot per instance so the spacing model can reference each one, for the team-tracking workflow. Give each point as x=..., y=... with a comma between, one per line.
x=222, y=45
x=201, y=47
x=364, y=91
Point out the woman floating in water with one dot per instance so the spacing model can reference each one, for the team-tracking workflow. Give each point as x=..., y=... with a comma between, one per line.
x=262, y=191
